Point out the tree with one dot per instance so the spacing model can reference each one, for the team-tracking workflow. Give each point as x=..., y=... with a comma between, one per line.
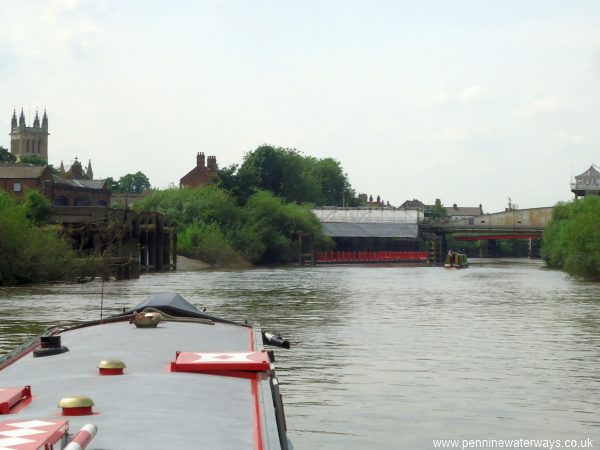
x=31, y=253
x=113, y=185
x=6, y=156
x=34, y=159
x=37, y=207
x=213, y=227
x=37, y=161
x=438, y=212
x=132, y=183
x=333, y=183
x=290, y=175
x=572, y=238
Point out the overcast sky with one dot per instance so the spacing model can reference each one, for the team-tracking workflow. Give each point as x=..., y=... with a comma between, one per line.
x=467, y=101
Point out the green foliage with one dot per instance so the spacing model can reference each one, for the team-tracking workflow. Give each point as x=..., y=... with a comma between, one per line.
x=572, y=239
x=214, y=228
x=37, y=207
x=186, y=206
x=290, y=175
x=30, y=253
x=132, y=182
x=34, y=159
x=277, y=225
x=437, y=213
x=113, y=185
x=206, y=242
x=38, y=161
x=6, y=156
x=471, y=248
x=518, y=248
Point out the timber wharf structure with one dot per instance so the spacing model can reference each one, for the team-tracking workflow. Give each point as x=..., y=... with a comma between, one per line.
x=129, y=242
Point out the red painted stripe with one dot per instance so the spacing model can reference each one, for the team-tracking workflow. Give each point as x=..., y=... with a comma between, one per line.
x=82, y=438
x=256, y=420
x=370, y=256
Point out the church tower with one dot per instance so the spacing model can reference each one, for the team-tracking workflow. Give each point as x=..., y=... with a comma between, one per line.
x=29, y=141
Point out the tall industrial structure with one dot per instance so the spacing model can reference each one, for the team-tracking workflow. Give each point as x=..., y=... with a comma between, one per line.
x=29, y=141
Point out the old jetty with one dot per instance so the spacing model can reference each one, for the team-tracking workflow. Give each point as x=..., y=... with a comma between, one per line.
x=129, y=242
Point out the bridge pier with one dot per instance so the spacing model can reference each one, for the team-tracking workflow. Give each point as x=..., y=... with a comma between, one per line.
x=489, y=249
x=438, y=247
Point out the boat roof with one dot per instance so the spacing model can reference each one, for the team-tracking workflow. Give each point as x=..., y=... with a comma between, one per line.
x=173, y=304
x=153, y=406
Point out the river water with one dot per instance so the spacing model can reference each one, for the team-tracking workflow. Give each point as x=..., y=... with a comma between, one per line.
x=390, y=357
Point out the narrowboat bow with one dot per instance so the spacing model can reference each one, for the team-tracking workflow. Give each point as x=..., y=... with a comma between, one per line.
x=162, y=375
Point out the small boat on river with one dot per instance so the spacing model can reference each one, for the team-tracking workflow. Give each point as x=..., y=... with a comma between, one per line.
x=456, y=260
x=162, y=375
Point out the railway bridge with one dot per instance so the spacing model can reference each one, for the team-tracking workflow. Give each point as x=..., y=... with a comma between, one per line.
x=522, y=224
x=410, y=225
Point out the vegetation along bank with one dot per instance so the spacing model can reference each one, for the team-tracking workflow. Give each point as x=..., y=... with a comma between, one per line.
x=572, y=239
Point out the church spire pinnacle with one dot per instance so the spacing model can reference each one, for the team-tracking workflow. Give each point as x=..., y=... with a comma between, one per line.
x=45, y=121
x=22, y=119
x=36, y=121
x=13, y=122
x=89, y=172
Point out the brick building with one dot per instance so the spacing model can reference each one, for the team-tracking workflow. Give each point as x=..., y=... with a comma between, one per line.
x=65, y=192
x=19, y=178
x=202, y=174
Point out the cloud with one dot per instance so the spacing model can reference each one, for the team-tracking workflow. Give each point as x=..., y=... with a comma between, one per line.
x=61, y=28
x=571, y=138
x=472, y=93
x=543, y=106
x=451, y=135
x=65, y=4
x=439, y=98
x=445, y=97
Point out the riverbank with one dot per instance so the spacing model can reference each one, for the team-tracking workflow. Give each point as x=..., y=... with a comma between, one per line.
x=185, y=264
x=190, y=265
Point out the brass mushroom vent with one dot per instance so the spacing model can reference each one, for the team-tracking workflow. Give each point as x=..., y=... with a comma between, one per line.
x=147, y=319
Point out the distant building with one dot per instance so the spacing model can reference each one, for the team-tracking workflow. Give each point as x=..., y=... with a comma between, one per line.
x=587, y=183
x=73, y=187
x=202, y=174
x=456, y=212
x=413, y=204
x=29, y=141
x=66, y=192
x=373, y=203
x=18, y=178
x=76, y=171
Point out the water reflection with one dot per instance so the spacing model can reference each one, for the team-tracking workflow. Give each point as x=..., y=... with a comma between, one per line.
x=388, y=357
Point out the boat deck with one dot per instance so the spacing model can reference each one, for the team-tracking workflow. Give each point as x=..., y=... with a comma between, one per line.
x=150, y=406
